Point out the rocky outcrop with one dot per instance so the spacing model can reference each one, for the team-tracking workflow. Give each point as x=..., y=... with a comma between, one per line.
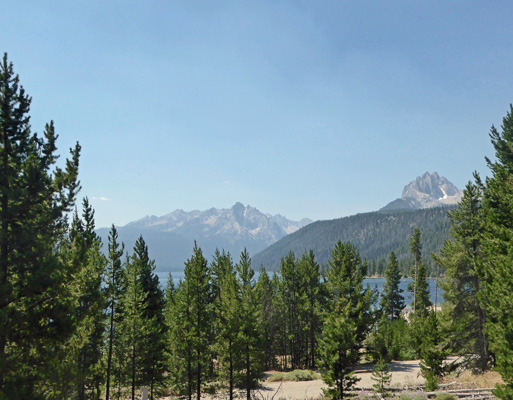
x=428, y=190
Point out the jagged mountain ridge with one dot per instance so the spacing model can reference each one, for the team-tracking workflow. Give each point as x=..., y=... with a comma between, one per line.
x=170, y=238
x=428, y=190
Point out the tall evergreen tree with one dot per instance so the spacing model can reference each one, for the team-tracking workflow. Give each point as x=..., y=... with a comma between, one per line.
x=220, y=266
x=90, y=265
x=35, y=196
x=115, y=286
x=498, y=239
x=339, y=350
x=290, y=291
x=432, y=351
x=267, y=298
x=153, y=362
x=195, y=319
x=250, y=329
x=132, y=325
x=180, y=341
x=229, y=344
x=348, y=320
x=392, y=302
x=345, y=281
x=420, y=286
x=309, y=307
x=462, y=259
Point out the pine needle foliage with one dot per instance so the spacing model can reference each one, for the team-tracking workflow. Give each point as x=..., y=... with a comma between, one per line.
x=381, y=375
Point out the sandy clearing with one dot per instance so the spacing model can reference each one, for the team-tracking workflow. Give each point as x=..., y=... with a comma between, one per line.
x=404, y=373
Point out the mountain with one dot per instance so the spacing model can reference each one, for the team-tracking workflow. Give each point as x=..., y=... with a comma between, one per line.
x=428, y=190
x=170, y=238
x=375, y=234
x=424, y=204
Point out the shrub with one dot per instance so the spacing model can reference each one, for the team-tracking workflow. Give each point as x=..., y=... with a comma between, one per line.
x=445, y=396
x=296, y=375
x=277, y=377
x=412, y=396
x=302, y=375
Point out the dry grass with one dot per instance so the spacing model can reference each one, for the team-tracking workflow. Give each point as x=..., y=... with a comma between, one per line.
x=469, y=380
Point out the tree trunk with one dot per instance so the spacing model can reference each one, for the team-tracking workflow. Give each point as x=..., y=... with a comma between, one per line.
x=231, y=372
x=248, y=374
x=109, y=357
x=4, y=253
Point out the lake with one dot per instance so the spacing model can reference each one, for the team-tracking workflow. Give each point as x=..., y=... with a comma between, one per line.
x=373, y=282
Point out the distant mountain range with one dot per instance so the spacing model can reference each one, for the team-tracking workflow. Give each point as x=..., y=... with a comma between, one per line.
x=423, y=204
x=170, y=238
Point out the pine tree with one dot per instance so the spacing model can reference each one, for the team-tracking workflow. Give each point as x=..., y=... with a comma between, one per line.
x=229, y=344
x=420, y=286
x=309, y=308
x=462, y=259
x=432, y=351
x=498, y=239
x=381, y=375
x=290, y=291
x=250, y=330
x=115, y=286
x=35, y=196
x=266, y=295
x=339, y=350
x=153, y=366
x=348, y=320
x=181, y=340
x=345, y=281
x=191, y=323
x=392, y=302
x=132, y=325
x=220, y=266
x=91, y=304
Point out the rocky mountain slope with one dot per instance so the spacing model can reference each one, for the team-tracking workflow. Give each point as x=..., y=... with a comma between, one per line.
x=428, y=190
x=171, y=237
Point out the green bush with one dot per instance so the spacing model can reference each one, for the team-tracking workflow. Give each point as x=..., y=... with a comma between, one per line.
x=277, y=377
x=412, y=396
x=296, y=375
x=445, y=396
x=302, y=375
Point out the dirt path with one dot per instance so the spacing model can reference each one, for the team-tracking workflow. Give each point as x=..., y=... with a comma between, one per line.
x=404, y=373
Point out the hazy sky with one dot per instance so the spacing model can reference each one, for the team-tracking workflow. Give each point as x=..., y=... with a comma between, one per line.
x=317, y=109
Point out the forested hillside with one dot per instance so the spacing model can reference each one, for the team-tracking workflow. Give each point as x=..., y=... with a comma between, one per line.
x=375, y=234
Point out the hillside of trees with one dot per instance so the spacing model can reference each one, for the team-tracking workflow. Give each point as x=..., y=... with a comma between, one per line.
x=375, y=234
x=79, y=324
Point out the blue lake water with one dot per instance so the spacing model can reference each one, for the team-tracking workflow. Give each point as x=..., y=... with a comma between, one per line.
x=435, y=295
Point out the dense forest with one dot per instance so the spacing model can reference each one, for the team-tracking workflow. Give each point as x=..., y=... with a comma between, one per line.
x=79, y=324
x=375, y=234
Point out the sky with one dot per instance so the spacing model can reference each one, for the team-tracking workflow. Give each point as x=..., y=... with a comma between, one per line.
x=318, y=109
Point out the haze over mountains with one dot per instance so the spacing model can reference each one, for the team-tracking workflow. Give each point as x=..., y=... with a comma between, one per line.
x=170, y=238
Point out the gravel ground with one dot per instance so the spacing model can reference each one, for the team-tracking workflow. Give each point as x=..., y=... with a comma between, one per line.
x=404, y=373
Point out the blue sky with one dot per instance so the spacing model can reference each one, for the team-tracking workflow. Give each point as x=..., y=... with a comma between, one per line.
x=317, y=109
